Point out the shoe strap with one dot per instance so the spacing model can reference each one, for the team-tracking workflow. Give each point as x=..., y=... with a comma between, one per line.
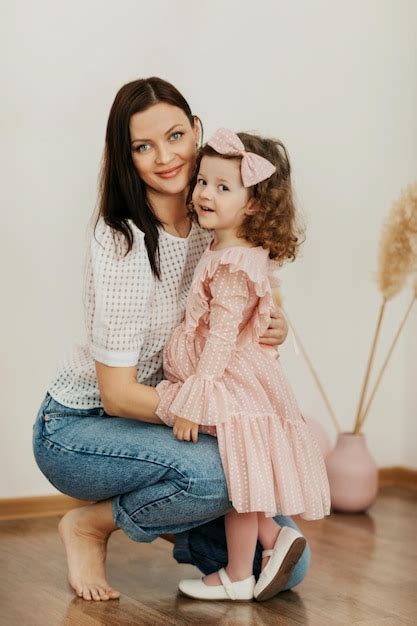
x=227, y=583
x=267, y=553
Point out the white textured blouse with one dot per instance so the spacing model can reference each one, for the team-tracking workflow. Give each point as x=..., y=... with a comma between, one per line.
x=129, y=313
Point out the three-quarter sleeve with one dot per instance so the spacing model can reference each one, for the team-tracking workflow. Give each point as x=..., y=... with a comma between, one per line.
x=203, y=398
x=117, y=295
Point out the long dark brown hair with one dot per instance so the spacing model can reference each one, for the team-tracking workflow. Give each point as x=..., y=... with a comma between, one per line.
x=122, y=193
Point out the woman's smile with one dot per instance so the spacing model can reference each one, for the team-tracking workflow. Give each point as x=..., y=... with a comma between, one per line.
x=170, y=173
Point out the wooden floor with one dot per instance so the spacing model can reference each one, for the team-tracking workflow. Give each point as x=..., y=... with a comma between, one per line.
x=364, y=572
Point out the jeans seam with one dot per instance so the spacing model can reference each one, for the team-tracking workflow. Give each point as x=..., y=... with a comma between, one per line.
x=119, y=517
x=45, y=405
x=54, y=415
x=149, y=505
x=52, y=444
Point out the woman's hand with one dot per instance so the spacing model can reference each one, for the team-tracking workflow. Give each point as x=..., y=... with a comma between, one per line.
x=185, y=430
x=123, y=396
x=277, y=331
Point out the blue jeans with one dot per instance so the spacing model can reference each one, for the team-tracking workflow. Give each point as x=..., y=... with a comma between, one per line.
x=157, y=484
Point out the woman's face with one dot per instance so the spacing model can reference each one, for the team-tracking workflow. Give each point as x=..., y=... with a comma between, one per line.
x=164, y=146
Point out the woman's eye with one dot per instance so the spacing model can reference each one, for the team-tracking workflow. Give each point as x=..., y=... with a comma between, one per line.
x=177, y=135
x=223, y=188
x=143, y=147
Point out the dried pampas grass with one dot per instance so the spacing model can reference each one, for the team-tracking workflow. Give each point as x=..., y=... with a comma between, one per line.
x=398, y=244
x=314, y=374
x=278, y=299
x=389, y=354
x=397, y=259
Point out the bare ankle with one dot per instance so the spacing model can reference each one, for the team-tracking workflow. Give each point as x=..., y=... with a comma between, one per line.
x=95, y=520
x=237, y=573
x=268, y=532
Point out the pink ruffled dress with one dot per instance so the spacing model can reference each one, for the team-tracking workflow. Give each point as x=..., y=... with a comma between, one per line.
x=219, y=376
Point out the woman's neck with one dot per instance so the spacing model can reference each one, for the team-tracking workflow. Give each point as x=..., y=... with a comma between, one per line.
x=171, y=210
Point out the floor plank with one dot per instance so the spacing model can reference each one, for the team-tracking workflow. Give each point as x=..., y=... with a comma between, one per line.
x=364, y=572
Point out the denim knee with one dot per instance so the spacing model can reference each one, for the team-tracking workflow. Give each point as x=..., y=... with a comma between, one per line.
x=192, y=494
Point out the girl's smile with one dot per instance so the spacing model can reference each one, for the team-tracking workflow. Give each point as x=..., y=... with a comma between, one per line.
x=219, y=197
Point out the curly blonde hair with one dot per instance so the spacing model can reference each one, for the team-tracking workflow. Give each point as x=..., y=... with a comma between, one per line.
x=274, y=225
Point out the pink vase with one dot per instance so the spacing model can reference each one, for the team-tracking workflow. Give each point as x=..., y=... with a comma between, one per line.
x=353, y=474
x=320, y=435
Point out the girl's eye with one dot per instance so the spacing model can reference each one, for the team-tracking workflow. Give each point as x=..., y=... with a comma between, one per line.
x=177, y=135
x=201, y=182
x=143, y=147
x=223, y=188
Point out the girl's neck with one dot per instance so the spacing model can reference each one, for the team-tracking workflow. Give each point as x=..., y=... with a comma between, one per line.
x=171, y=210
x=227, y=239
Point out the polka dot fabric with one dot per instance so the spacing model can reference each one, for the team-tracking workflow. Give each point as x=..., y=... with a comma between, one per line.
x=219, y=376
x=129, y=314
x=253, y=168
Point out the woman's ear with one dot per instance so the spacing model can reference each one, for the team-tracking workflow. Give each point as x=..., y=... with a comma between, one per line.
x=198, y=131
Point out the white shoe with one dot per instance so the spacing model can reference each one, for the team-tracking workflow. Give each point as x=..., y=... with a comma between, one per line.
x=240, y=590
x=287, y=551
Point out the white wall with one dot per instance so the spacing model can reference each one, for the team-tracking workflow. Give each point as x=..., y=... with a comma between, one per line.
x=334, y=80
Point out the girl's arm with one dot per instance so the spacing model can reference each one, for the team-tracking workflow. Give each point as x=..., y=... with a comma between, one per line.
x=203, y=398
x=123, y=396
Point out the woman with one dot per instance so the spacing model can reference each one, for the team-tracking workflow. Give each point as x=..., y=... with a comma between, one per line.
x=96, y=436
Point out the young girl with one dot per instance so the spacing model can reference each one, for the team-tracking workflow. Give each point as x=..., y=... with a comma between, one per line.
x=222, y=381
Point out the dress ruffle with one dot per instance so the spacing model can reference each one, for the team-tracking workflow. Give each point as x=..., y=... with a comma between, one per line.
x=254, y=262
x=204, y=401
x=167, y=391
x=284, y=469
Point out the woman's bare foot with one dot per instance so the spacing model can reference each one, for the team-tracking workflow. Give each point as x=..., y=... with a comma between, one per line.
x=85, y=532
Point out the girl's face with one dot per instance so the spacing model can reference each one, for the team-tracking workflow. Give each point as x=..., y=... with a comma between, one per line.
x=163, y=147
x=219, y=197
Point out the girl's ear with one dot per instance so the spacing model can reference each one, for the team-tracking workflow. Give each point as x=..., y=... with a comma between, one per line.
x=252, y=207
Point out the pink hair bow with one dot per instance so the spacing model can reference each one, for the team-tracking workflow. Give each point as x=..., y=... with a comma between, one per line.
x=254, y=168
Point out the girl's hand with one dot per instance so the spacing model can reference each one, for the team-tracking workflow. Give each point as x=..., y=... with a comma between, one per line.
x=185, y=430
x=277, y=331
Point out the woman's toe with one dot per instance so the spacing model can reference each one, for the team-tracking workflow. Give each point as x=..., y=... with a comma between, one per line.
x=112, y=593
x=78, y=590
x=95, y=594
x=103, y=593
x=86, y=593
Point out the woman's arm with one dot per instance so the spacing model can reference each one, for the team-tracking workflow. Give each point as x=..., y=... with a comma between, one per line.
x=117, y=297
x=123, y=396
